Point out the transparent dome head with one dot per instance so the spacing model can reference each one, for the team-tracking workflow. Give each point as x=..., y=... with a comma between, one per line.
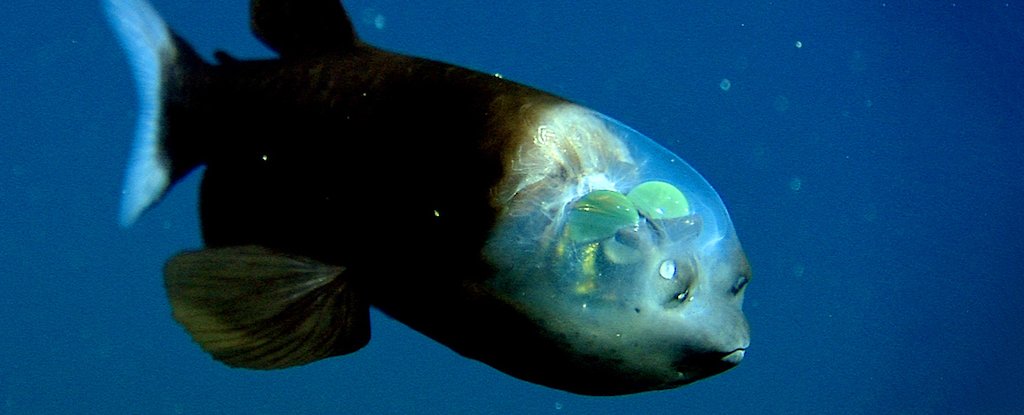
x=617, y=246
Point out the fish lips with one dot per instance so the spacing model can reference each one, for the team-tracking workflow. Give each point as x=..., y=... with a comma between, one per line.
x=701, y=365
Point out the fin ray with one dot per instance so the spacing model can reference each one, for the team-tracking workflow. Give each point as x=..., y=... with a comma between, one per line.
x=255, y=308
x=165, y=69
x=149, y=44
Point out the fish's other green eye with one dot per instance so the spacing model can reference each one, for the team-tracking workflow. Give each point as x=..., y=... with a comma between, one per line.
x=659, y=200
x=599, y=214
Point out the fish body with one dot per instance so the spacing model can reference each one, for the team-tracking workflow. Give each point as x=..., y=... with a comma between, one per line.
x=509, y=224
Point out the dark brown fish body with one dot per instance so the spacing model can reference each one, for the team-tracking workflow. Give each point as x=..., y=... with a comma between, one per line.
x=372, y=201
x=374, y=169
x=509, y=224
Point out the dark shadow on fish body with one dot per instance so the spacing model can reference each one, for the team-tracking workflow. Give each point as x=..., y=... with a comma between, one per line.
x=341, y=176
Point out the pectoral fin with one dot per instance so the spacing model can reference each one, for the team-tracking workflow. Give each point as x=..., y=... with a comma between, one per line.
x=256, y=308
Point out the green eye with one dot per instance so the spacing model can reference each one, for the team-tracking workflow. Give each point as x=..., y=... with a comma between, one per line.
x=659, y=200
x=599, y=214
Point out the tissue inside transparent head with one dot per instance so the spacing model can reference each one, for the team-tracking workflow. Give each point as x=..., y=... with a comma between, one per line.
x=569, y=175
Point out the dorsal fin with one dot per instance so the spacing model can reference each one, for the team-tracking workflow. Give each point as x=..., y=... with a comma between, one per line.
x=298, y=28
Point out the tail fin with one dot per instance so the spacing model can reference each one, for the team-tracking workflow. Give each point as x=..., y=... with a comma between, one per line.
x=158, y=59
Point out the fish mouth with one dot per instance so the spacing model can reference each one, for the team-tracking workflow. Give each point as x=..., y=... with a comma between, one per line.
x=709, y=364
x=734, y=357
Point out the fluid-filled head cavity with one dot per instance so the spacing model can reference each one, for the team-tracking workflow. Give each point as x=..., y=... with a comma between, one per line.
x=621, y=252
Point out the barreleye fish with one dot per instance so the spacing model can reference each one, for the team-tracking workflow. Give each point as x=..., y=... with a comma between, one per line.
x=515, y=227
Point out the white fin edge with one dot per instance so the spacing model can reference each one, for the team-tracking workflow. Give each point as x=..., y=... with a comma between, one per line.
x=149, y=45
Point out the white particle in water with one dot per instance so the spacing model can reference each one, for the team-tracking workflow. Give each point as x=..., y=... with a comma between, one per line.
x=725, y=84
x=795, y=184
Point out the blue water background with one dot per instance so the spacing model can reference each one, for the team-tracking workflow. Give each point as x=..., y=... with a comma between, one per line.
x=874, y=174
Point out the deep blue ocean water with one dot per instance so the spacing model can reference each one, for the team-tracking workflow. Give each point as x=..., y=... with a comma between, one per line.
x=870, y=153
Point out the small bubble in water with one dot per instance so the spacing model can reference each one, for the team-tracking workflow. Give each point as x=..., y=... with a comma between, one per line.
x=373, y=17
x=725, y=84
x=795, y=184
x=558, y=406
x=799, y=44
